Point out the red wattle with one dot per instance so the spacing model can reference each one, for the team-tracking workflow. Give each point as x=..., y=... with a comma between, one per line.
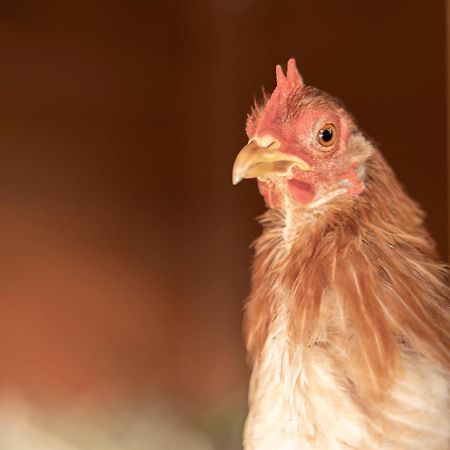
x=301, y=191
x=269, y=193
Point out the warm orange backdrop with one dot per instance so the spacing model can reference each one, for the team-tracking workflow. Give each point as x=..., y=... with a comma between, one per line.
x=124, y=253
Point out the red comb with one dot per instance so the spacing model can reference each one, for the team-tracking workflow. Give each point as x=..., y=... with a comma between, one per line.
x=285, y=84
x=293, y=75
x=281, y=79
x=292, y=81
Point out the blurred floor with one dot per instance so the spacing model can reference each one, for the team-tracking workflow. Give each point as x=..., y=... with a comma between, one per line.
x=128, y=425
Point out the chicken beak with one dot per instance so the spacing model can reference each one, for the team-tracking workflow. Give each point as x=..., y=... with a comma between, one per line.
x=255, y=161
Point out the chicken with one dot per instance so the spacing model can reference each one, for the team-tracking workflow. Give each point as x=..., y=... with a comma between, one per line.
x=346, y=325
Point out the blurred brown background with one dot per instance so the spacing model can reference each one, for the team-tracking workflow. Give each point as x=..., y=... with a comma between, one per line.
x=124, y=255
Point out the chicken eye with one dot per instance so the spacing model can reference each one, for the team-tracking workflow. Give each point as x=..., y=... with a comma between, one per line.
x=327, y=135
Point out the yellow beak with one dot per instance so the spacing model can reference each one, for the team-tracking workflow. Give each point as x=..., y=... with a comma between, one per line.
x=254, y=161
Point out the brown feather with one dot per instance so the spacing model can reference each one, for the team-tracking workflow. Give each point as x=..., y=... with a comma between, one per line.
x=374, y=253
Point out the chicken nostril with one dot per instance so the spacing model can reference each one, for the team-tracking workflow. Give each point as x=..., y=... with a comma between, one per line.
x=265, y=141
